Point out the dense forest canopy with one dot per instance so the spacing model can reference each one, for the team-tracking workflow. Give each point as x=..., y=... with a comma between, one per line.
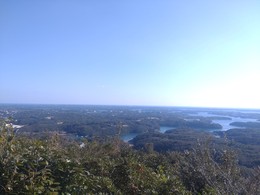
x=78, y=149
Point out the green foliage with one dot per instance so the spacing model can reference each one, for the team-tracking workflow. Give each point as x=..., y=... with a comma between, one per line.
x=57, y=165
x=205, y=171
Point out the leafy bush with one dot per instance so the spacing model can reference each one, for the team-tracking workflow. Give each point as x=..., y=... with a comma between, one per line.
x=58, y=165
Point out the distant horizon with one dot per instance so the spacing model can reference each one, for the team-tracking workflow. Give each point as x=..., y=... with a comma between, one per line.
x=119, y=105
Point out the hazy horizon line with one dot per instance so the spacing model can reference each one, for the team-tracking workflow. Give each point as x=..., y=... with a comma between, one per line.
x=131, y=105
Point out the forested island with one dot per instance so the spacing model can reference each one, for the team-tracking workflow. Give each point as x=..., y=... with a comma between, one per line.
x=55, y=149
x=101, y=120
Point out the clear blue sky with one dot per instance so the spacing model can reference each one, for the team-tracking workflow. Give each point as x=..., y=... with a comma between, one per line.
x=135, y=52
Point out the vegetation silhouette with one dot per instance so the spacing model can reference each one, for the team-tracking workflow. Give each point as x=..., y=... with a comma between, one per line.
x=59, y=165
